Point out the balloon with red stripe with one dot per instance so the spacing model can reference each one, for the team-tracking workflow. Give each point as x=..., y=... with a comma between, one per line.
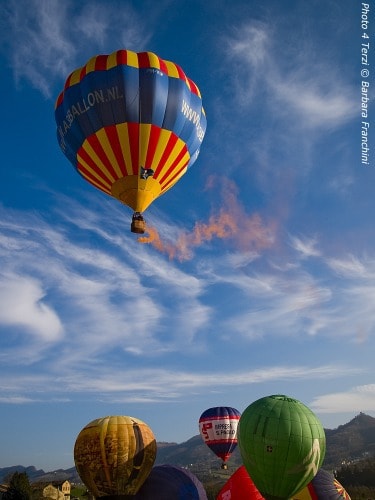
x=131, y=124
x=239, y=487
x=218, y=428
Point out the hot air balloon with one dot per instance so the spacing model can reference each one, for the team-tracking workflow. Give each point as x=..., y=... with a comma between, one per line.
x=131, y=124
x=323, y=486
x=218, y=428
x=114, y=455
x=239, y=487
x=282, y=444
x=169, y=482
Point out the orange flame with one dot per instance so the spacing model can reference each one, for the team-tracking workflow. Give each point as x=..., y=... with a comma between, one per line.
x=247, y=232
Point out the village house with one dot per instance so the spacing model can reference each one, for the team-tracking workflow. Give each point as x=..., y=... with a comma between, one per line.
x=55, y=490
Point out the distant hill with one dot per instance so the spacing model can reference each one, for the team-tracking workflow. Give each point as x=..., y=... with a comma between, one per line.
x=194, y=451
x=348, y=442
x=30, y=471
x=36, y=475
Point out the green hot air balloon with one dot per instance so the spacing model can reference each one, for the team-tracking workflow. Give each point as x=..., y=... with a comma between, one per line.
x=282, y=444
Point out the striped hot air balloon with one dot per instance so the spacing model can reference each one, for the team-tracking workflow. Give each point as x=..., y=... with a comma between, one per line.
x=131, y=124
x=218, y=428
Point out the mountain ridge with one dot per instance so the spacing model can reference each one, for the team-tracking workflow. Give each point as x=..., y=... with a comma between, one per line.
x=348, y=442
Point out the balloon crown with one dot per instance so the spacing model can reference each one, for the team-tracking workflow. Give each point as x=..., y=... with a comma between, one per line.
x=282, y=397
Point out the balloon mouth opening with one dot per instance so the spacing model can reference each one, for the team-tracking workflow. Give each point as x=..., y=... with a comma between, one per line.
x=138, y=224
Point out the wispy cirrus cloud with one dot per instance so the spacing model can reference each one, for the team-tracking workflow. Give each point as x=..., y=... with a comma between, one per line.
x=350, y=267
x=360, y=397
x=331, y=297
x=101, y=298
x=284, y=94
x=306, y=247
x=114, y=384
x=248, y=52
x=91, y=290
x=45, y=41
x=114, y=309
x=298, y=90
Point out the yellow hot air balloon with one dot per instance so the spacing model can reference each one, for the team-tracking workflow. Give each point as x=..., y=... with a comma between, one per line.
x=114, y=455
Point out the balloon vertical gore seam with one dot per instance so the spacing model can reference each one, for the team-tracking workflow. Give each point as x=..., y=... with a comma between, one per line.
x=146, y=60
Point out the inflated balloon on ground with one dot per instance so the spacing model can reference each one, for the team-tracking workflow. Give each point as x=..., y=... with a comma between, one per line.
x=239, y=487
x=282, y=445
x=169, y=482
x=114, y=455
x=324, y=486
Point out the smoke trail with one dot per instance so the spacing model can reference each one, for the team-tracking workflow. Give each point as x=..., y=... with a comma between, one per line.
x=246, y=232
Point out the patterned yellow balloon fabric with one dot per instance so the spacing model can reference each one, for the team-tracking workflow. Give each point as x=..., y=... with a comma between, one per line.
x=114, y=455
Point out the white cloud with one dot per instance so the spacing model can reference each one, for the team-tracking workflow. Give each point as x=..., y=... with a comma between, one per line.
x=46, y=41
x=240, y=260
x=118, y=383
x=313, y=101
x=342, y=184
x=351, y=267
x=122, y=308
x=293, y=86
x=283, y=301
x=37, y=41
x=305, y=246
x=23, y=304
x=298, y=300
x=248, y=52
x=16, y=400
x=291, y=99
x=360, y=397
x=110, y=296
x=250, y=44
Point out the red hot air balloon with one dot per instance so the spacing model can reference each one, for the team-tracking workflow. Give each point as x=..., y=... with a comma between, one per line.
x=218, y=428
x=131, y=124
x=239, y=487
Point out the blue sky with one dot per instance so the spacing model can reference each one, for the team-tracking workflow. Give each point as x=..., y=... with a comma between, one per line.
x=95, y=323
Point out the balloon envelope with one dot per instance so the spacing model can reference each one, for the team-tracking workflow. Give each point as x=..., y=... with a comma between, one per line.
x=114, y=455
x=131, y=124
x=324, y=486
x=218, y=428
x=169, y=482
x=239, y=487
x=282, y=445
